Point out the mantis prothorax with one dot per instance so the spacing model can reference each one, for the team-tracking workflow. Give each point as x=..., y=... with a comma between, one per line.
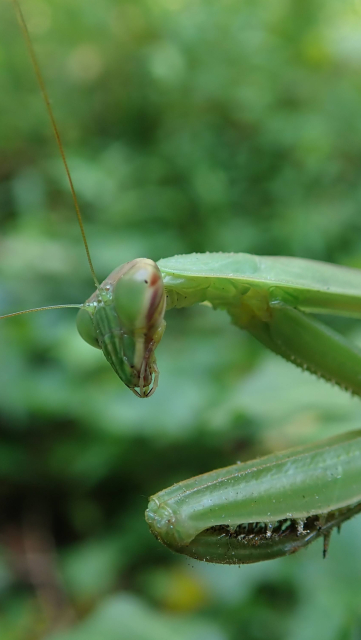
x=268, y=507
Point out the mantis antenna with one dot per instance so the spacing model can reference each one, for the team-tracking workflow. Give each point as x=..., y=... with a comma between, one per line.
x=55, y=306
x=55, y=129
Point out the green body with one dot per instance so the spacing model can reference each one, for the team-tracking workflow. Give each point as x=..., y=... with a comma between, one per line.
x=273, y=298
x=222, y=278
x=321, y=480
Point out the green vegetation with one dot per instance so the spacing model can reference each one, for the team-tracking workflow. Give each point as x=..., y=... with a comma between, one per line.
x=190, y=125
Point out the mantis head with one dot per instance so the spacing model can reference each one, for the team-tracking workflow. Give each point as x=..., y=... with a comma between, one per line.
x=125, y=318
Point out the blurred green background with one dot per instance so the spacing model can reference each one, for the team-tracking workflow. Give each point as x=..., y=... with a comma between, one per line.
x=189, y=125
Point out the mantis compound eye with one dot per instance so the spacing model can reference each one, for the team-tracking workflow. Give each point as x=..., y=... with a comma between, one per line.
x=139, y=296
x=86, y=328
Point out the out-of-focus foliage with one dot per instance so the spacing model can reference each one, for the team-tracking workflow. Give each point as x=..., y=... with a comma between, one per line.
x=190, y=125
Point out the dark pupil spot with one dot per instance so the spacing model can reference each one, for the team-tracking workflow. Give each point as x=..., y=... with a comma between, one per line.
x=146, y=281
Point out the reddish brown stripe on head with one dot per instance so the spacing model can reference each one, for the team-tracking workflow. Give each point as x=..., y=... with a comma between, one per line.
x=154, y=302
x=154, y=279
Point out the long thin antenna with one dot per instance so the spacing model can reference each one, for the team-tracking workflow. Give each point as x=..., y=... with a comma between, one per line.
x=56, y=306
x=44, y=92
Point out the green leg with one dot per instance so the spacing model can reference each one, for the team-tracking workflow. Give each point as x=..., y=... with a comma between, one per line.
x=307, y=342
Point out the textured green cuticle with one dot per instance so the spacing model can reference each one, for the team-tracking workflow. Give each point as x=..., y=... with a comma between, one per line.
x=128, y=295
x=163, y=524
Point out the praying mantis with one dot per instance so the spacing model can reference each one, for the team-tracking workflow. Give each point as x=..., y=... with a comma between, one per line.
x=272, y=506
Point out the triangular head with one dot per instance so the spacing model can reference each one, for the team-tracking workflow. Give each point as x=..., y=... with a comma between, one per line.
x=125, y=318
